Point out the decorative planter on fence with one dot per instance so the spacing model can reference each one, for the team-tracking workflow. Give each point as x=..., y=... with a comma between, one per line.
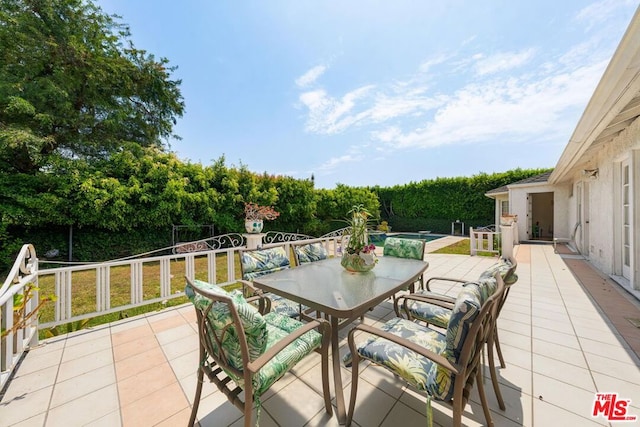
x=508, y=219
x=253, y=225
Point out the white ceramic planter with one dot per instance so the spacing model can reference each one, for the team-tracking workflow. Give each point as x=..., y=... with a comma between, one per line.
x=253, y=225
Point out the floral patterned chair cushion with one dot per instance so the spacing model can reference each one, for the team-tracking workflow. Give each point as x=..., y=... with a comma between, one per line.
x=278, y=327
x=418, y=370
x=261, y=333
x=310, y=252
x=503, y=266
x=263, y=261
x=444, y=365
x=432, y=313
x=254, y=325
x=284, y=306
x=439, y=316
x=466, y=308
x=256, y=263
x=404, y=248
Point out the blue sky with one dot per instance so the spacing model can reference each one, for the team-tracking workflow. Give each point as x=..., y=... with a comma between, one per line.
x=379, y=92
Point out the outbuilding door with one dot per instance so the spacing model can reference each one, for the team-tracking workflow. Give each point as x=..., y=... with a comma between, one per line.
x=540, y=220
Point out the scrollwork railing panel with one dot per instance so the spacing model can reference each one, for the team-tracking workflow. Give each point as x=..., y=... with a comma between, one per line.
x=283, y=237
x=224, y=241
x=337, y=233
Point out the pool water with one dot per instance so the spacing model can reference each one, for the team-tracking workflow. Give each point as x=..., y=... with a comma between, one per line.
x=379, y=238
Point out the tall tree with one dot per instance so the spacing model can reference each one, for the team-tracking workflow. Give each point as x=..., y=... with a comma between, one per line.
x=73, y=86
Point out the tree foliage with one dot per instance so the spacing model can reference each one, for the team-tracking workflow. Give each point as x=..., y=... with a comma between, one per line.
x=72, y=85
x=128, y=203
x=84, y=116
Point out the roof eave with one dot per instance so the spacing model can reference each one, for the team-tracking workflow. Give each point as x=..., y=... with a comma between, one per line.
x=619, y=84
x=496, y=194
x=528, y=184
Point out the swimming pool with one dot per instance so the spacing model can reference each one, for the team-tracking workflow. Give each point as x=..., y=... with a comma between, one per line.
x=379, y=238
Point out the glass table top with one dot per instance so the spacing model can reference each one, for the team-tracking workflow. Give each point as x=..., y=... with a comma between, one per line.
x=325, y=285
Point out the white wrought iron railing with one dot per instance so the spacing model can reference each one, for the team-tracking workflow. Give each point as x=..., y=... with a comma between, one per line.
x=152, y=279
x=18, y=311
x=148, y=278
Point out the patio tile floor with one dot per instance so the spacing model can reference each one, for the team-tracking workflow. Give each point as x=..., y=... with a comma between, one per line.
x=560, y=348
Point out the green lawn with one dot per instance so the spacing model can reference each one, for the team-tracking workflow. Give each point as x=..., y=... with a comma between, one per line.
x=84, y=291
x=463, y=247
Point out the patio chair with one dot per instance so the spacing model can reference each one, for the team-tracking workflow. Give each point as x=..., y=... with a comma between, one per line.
x=244, y=350
x=442, y=365
x=405, y=248
x=309, y=252
x=433, y=308
x=436, y=309
x=258, y=262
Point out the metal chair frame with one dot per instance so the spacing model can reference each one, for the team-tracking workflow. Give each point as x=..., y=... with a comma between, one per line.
x=214, y=365
x=466, y=368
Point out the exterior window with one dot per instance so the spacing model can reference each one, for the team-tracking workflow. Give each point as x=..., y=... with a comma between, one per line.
x=504, y=207
x=626, y=221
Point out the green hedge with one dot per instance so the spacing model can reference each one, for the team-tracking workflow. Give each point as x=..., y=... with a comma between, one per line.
x=435, y=204
x=91, y=244
x=128, y=204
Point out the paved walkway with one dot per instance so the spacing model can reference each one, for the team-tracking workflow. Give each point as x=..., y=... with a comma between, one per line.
x=622, y=309
x=563, y=334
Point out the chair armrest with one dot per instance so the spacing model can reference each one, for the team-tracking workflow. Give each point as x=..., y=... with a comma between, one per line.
x=247, y=284
x=436, y=358
x=264, y=303
x=446, y=279
x=440, y=300
x=432, y=296
x=322, y=324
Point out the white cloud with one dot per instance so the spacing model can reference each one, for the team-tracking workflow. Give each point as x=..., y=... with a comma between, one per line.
x=388, y=135
x=506, y=109
x=502, y=61
x=509, y=96
x=438, y=59
x=330, y=115
x=360, y=107
x=409, y=104
x=315, y=100
x=336, y=162
x=600, y=12
x=310, y=76
x=469, y=40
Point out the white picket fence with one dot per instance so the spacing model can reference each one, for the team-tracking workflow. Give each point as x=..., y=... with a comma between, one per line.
x=151, y=279
x=484, y=240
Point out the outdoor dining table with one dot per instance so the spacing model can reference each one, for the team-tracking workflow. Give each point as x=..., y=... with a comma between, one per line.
x=342, y=296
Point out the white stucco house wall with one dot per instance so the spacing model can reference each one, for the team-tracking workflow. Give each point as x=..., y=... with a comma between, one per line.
x=539, y=215
x=592, y=196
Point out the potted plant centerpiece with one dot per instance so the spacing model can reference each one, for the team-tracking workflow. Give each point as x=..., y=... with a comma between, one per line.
x=254, y=216
x=359, y=255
